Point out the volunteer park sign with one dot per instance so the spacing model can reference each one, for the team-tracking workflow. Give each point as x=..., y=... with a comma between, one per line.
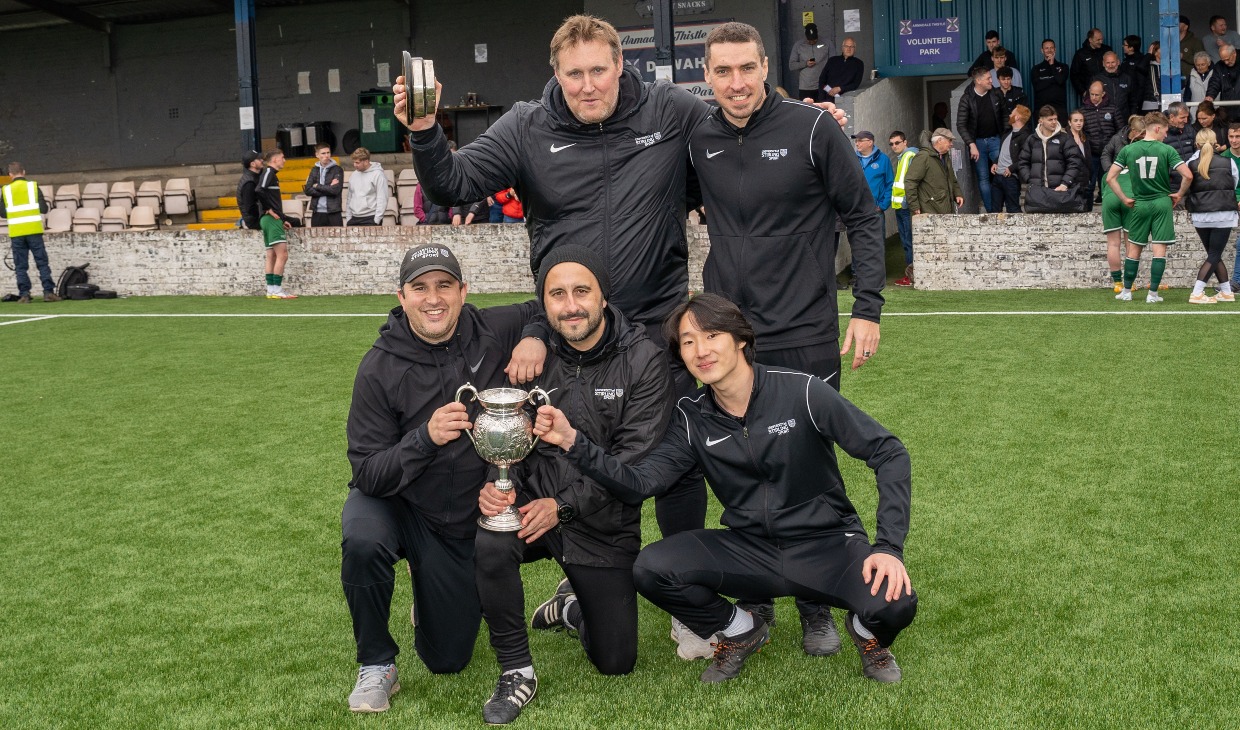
x=929, y=40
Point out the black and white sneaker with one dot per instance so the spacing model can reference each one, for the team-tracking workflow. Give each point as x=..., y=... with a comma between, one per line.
x=512, y=692
x=731, y=652
x=550, y=615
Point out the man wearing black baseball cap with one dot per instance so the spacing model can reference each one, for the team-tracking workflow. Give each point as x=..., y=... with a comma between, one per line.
x=807, y=59
x=604, y=370
x=414, y=489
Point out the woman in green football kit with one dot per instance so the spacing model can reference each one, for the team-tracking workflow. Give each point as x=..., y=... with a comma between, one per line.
x=1150, y=221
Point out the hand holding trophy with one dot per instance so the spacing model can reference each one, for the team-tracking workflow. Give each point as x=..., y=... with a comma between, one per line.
x=503, y=435
x=417, y=93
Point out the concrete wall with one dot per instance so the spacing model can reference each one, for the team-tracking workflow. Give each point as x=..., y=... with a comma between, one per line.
x=1023, y=251
x=166, y=93
x=321, y=260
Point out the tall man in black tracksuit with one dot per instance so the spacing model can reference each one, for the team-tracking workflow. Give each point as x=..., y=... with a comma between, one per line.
x=774, y=176
x=414, y=491
x=598, y=160
x=247, y=190
x=765, y=439
x=605, y=372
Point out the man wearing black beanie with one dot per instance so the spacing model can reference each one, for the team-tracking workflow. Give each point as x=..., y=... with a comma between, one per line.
x=614, y=382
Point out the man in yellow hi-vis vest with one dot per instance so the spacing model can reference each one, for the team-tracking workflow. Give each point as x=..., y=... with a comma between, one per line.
x=902, y=154
x=23, y=205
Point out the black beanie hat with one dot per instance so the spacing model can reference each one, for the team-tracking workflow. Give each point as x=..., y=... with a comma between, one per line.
x=576, y=254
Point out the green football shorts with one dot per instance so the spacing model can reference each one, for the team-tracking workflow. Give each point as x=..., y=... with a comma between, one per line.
x=1151, y=221
x=273, y=231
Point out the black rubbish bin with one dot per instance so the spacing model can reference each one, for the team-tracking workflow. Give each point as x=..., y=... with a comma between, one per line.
x=319, y=133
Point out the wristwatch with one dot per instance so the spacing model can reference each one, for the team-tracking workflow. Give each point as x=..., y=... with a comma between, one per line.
x=565, y=512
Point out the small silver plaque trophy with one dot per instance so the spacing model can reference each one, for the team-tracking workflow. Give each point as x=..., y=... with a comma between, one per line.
x=503, y=435
x=419, y=76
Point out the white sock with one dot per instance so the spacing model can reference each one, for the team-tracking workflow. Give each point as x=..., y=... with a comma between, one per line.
x=862, y=631
x=271, y=289
x=1199, y=287
x=564, y=614
x=527, y=672
x=742, y=621
x=1224, y=287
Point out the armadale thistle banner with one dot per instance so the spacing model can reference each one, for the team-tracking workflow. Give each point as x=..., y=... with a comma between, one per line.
x=929, y=40
x=690, y=67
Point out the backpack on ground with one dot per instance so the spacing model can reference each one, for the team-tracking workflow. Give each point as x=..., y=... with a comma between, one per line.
x=72, y=276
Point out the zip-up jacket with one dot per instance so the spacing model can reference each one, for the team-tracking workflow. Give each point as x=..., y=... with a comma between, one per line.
x=268, y=192
x=1101, y=121
x=1216, y=194
x=1225, y=83
x=617, y=187
x=902, y=163
x=774, y=471
x=401, y=381
x=931, y=185
x=331, y=187
x=971, y=106
x=1050, y=85
x=1122, y=89
x=1051, y=160
x=773, y=190
x=1086, y=64
x=247, y=199
x=879, y=175
x=620, y=396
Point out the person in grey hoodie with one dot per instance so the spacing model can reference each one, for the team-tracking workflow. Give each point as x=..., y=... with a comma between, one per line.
x=807, y=58
x=368, y=191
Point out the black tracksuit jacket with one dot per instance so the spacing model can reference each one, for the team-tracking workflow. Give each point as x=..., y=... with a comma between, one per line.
x=400, y=382
x=268, y=193
x=620, y=395
x=773, y=190
x=617, y=187
x=774, y=471
x=247, y=199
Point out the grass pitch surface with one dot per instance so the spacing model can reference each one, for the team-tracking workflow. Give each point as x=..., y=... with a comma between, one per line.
x=169, y=522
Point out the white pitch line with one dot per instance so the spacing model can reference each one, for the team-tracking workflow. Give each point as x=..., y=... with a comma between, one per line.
x=29, y=319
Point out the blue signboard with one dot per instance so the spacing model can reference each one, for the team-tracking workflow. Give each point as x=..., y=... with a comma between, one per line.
x=929, y=40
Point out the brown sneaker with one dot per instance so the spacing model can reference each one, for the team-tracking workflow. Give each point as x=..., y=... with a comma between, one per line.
x=23, y=299
x=51, y=297
x=877, y=663
x=731, y=653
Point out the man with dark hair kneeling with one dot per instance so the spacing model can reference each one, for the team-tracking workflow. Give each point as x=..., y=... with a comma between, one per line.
x=764, y=437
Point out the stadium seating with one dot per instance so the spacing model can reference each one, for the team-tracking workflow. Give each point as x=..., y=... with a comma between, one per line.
x=391, y=216
x=86, y=219
x=114, y=218
x=151, y=195
x=68, y=197
x=391, y=180
x=295, y=209
x=179, y=197
x=122, y=195
x=407, y=180
x=404, y=200
x=59, y=220
x=95, y=195
x=142, y=218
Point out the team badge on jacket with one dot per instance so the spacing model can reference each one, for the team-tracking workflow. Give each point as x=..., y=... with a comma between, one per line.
x=774, y=154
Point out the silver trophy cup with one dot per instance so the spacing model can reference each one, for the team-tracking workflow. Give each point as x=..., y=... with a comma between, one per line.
x=503, y=435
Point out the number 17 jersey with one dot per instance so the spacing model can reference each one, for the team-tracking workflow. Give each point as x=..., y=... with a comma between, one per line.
x=1149, y=165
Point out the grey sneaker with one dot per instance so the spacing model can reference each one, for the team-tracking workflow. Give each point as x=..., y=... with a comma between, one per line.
x=764, y=610
x=550, y=615
x=690, y=646
x=877, y=663
x=376, y=683
x=731, y=653
x=819, y=635
x=512, y=692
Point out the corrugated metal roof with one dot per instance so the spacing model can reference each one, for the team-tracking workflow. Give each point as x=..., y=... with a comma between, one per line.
x=1022, y=25
x=17, y=16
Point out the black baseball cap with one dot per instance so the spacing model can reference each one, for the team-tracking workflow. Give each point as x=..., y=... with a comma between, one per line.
x=249, y=157
x=811, y=30
x=864, y=135
x=428, y=257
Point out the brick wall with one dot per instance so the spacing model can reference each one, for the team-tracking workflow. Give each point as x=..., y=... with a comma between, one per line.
x=1021, y=251
x=966, y=252
x=321, y=261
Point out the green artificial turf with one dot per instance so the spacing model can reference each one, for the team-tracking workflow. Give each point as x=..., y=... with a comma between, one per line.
x=171, y=493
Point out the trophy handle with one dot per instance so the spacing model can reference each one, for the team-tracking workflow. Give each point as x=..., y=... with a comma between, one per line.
x=467, y=387
x=536, y=391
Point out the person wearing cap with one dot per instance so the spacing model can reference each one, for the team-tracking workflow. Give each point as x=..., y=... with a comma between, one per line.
x=931, y=185
x=879, y=174
x=776, y=178
x=807, y=58
x=604, y=371
x=247, y=190
x=413, y=494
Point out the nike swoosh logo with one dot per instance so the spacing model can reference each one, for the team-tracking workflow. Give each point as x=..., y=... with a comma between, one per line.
x=710, y=154
x=850, y=534
x=555, y=149
x=477, y=365
x=716, y=441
